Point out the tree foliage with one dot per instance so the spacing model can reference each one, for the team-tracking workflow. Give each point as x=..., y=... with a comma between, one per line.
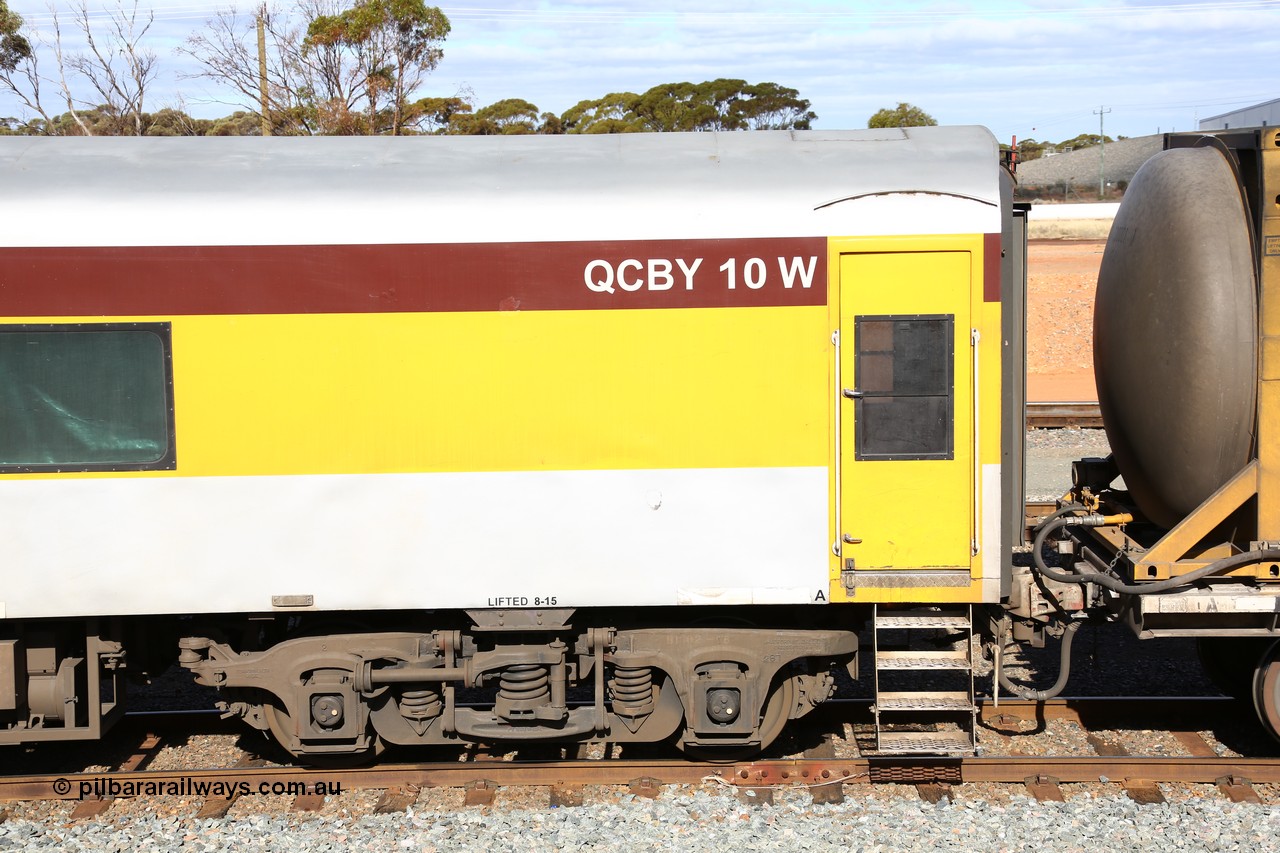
x=103, y=120
x=335, y=68
x=721, y=104
x=307, y=94
x=346, y=70
x=437, y=115
x=714, y=105
x=1031, y=149
x=1083, y=140
x=508, y=116
x=681, y=106
x=14, y=46
x=769, y=106
x=903, y=115
x=388, y=45
x=117, y=70
x=610, y=114
x=117, y=65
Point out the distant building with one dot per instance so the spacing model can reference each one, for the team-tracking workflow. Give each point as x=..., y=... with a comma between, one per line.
x=1260, y=115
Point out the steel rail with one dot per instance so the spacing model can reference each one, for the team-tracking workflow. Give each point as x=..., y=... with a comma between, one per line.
x=1041, y=415
x=1180, y=714
x=794, y=772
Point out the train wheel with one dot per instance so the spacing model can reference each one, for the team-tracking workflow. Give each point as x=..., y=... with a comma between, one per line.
x=773, y=719
x=1230, y=662
x=1266, y=690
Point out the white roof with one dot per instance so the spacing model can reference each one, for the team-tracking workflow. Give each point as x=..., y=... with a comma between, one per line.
x=252, y=191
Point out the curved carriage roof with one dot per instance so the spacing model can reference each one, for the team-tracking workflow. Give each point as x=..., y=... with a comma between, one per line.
x=255, y=191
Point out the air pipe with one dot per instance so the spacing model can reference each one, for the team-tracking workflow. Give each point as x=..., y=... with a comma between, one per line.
x=1057, y=521
x=1064, y=670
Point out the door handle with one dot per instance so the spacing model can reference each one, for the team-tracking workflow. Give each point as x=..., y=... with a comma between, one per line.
x=852, y=393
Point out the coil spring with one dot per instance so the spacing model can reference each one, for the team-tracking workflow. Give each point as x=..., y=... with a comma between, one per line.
x=524, y=682
x=420, y=704
x=632, y=689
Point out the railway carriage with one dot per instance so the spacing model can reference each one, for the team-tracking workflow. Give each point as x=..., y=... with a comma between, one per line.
x=625, y=437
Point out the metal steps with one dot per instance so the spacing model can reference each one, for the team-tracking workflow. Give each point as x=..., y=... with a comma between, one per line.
x=921, y=619
x=925, y=743
x=936, y=701
x=914, y=659
x=919, y=686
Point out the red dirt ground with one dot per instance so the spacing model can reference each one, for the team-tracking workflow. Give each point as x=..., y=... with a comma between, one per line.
x=1061, y=278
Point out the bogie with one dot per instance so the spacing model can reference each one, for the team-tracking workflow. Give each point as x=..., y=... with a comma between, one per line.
x=346, y=694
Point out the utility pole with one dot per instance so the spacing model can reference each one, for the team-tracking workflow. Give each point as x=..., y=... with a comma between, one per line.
x=262, y=67
x=1100, y=112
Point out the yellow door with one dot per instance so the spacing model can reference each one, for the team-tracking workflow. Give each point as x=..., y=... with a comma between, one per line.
x=906, y=425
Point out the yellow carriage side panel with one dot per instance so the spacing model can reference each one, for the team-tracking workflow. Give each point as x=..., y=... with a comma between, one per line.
x=498, y=391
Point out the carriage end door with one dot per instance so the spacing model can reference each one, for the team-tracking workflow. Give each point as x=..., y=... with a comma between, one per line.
x=906, y=420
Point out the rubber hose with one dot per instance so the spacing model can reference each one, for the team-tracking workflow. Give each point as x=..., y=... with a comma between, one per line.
x=1055, y=522
x=1064, y=671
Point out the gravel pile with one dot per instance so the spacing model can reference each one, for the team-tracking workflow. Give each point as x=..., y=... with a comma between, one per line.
x=1121, y=160
x=707, y=819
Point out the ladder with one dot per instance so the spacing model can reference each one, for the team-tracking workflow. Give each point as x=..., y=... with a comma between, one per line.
x=923, y=684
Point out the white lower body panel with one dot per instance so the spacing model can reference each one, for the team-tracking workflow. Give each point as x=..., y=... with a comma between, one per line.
x=104, y=546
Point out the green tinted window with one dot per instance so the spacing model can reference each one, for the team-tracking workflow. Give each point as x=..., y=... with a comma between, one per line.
x=85, y=397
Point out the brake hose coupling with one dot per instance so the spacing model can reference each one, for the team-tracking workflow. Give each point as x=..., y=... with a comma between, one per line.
x=1094, y=520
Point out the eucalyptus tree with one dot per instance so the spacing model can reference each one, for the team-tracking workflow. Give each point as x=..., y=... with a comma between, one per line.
x=110, y=78
x=387, y=46
x=325, y=60
x=721, y=104
x=14, y=46
x=903, y=115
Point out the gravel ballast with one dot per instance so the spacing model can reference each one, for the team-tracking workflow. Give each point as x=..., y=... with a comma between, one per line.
x=1049, y=454
x=700, y=819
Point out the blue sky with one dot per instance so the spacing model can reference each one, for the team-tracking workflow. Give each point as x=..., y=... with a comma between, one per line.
x=1034, y=68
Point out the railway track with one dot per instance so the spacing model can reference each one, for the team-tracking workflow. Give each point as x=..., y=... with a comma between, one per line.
x=819, y=769
x=1060, y=414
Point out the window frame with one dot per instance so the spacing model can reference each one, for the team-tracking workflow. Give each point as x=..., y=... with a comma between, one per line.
x=860, y=454
x=169, y=460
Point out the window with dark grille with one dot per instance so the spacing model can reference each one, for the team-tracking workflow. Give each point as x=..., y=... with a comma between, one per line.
x=86, y=397
x=903, y=371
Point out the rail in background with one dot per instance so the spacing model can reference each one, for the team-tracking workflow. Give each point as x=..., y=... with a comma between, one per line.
x=1060, y=414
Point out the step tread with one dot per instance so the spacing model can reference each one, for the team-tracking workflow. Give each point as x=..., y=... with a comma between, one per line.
x=924, y=743
x=914, y=659
x=932, y=620
x=933, y=700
